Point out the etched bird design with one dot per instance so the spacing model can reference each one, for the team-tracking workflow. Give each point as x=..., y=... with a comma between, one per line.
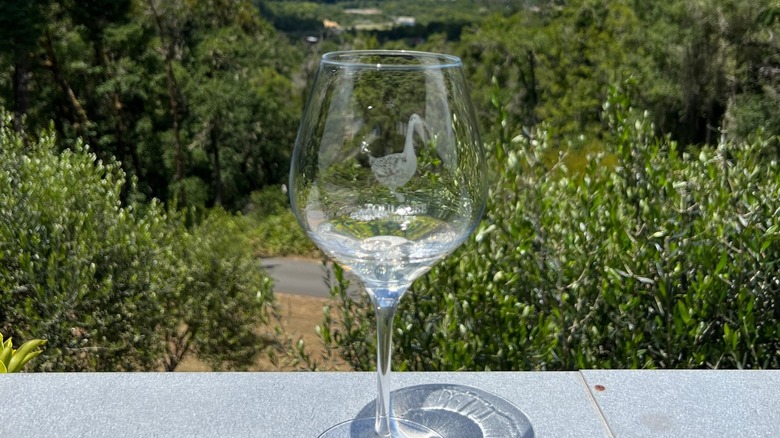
x=395, y=170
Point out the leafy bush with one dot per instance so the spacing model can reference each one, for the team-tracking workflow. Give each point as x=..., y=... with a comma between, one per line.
x=350, y=334
x=76, y=268
x=107, y=284
x=648, y=257
x=221, y=296
x=275, y=231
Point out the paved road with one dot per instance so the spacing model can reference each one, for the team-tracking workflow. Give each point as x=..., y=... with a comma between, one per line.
x=300, y=276
x=297, y=276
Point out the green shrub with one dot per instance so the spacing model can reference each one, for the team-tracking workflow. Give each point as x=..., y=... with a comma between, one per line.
x=76, y=268
x=649, y=257
x=221, y=296
x=110, y=286
x=276, y=232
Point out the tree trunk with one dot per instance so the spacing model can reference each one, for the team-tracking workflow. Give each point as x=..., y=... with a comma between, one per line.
x=178, y=346
x=214, y=135
x=121, y=149
x=80, y=120
x=533, y=95
x=21, y=98
x=173, y=91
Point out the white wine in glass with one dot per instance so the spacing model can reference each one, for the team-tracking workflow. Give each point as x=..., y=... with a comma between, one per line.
x=388, y=177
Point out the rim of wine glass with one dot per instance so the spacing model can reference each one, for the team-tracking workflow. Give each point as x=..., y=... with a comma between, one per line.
x=443, y=60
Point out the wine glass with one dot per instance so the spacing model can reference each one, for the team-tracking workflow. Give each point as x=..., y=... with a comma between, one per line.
x=388, y=177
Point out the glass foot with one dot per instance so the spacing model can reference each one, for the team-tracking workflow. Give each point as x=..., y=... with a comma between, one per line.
x=456, y=411
x=364, y=428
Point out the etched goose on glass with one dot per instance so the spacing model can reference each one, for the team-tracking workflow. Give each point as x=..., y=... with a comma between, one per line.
x=395, y=170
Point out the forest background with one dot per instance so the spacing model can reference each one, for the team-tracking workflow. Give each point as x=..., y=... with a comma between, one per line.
x=634, y=202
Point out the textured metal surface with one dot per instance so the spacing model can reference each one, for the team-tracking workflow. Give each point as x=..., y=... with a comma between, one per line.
x=688, y=403
x=258, y=404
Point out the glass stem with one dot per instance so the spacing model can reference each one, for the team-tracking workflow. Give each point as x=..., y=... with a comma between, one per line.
x=385, y=311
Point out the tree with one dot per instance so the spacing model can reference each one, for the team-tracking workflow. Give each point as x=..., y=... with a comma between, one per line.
x=21, y=24
x=552, y=64
x=241, y=111
x=115, y=287
x=117, y=75
x=220, y=299
x=77, y=269
x=711, y=68
x=170, y=38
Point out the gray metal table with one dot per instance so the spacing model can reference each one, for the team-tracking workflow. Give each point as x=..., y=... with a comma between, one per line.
x=559, y=404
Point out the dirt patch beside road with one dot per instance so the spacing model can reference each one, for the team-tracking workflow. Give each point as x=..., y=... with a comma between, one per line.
x=298, y=317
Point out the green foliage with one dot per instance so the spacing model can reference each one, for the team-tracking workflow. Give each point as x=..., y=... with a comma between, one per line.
x=193, y=99
x=199, y=100
x=12, y=360
x=701, y=67
x=647, y=258
x=552, y=64
x=77, y=268
x=220, y=298
x=242, y=115
x=719, y=71
x=346, y=340
x=275, y=231
x=110, y=286
x=21, y=25
x=299, y=16
x=352, y=332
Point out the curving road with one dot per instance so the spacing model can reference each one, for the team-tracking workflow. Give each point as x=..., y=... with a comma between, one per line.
x=299, y=276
